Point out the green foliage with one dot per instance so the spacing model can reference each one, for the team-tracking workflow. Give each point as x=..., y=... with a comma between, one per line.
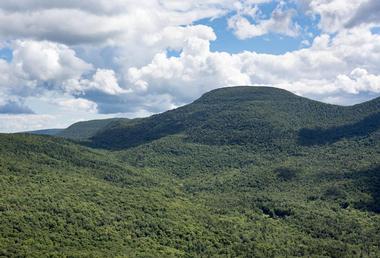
x=226, y=176
x=257, y=117
x=286, y=174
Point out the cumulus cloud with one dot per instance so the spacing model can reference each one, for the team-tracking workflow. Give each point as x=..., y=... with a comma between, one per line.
x=39, y=66
x=79, y=104
x=175, y=37
x=44, y=61
x=195, y=71
x=100, y=22
x=333, y=14
x=359, y=80
x=103, y=80
x=368, y=12
x=345, y=63
x=280, y=22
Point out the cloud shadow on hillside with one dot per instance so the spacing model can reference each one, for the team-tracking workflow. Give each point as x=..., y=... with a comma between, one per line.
x=321, y=136
x=368, y=181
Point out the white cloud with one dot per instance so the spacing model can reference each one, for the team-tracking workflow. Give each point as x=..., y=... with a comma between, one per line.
x=346, y=63
x=359, y=80
x=57, y=119
x=39, y=66
x=334, y=14
x=175, y=37
x=103, y=80
x=135, y=30
x=280, y=22
x=106, y=7
x=79, y=104
x=100, y=22
x=5, y=75
x=44, y=61
x=194, y=72
x=305, y=43
x=20, y=123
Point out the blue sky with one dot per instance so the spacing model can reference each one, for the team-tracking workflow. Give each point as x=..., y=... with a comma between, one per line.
x=270, y=43
x=227, y=42
x=66, y=61
x=6, y=53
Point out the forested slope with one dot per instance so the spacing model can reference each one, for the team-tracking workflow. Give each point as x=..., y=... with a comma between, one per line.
x=241, y=172
x=251, y=116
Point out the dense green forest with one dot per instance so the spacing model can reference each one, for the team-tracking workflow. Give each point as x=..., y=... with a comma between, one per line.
x=241, y=172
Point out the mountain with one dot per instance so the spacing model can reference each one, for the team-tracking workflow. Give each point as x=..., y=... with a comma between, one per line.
x=51, y=132
x=254, y=116
x=240, y=172
x=87, y=129
x=83, y=131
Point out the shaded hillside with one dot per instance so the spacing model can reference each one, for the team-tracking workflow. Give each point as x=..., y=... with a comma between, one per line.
x=362, y=128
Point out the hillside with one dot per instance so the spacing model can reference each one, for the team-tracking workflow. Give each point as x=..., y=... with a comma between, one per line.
x=87, y=129
x=259, y=117
x=241, y=172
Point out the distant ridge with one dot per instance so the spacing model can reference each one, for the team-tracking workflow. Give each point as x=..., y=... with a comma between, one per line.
x=52, y=132
x=87, y=129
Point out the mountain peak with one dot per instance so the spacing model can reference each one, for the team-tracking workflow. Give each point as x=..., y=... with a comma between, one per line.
x=246, y=93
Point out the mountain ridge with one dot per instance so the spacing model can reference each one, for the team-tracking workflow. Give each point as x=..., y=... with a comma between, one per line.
x=85, y=130
x=236, y=111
